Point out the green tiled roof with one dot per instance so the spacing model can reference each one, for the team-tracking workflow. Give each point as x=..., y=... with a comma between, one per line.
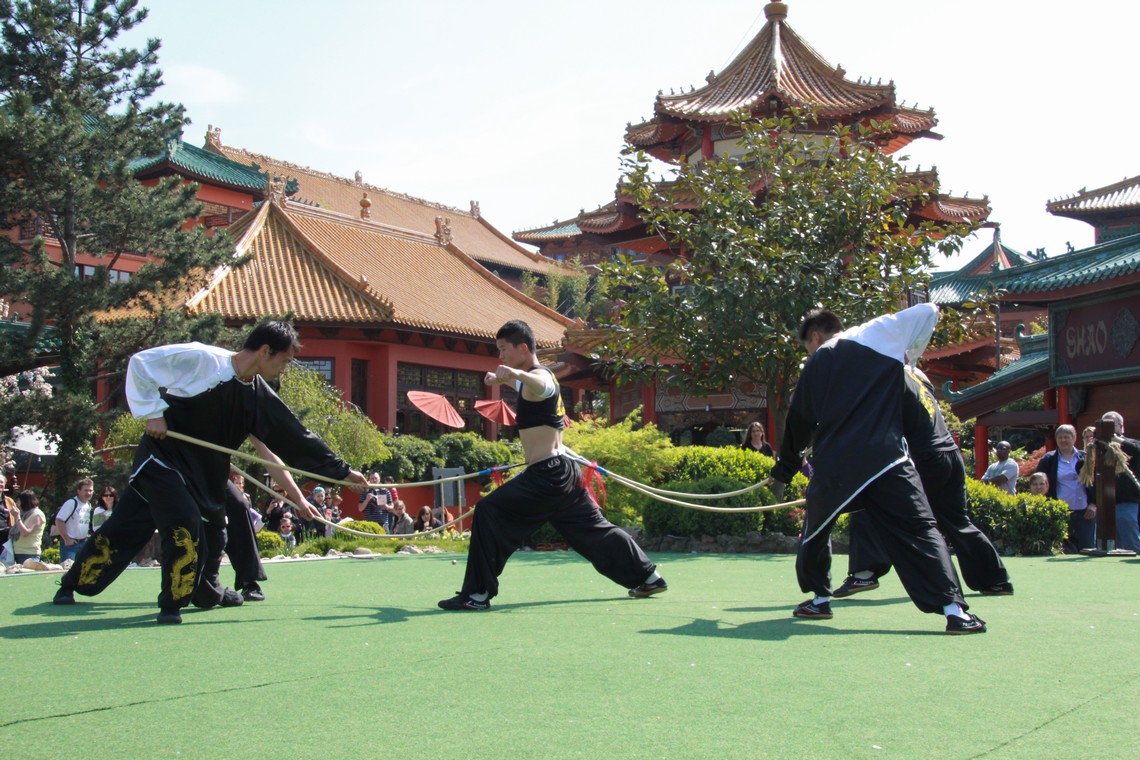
x=204, y=164
x=957, y=286
x=556, y=231
x=1034, y=359
x=1087, y=267
x=45, y=349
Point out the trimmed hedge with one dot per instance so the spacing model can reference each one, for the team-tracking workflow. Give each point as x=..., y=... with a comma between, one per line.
x=662, y=519
x=269, y=544
x=1018, y=523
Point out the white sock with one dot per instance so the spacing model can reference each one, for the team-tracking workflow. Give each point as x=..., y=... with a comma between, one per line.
x=864, y=575
x=821, y=600
x=956, y=610
x=656, y=576
x=478, y=597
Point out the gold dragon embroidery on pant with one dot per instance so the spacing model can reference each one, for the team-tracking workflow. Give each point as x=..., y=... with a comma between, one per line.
x=93, y=566
x=183, y=569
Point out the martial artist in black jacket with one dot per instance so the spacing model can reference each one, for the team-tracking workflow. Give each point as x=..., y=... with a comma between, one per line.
x=939, y=464
x=179, y=488
x=847, y=407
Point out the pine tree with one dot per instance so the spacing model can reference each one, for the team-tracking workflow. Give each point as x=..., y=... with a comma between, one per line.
x=74, y=113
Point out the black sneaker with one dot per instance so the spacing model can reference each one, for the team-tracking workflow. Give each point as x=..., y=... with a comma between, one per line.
x=853, y=585
x=462, y=601
x=64, y=596
x=812, y=611
x=169, y=618
x=231, y=598
x=649, y=589
x=957, y=626
x=253, y=593
x=998, y=589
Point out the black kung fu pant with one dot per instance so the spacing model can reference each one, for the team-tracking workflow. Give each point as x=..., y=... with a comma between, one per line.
x=551, y=491
x=156, y=497
x=240, y=546
x=943, y=479
x=896, y=507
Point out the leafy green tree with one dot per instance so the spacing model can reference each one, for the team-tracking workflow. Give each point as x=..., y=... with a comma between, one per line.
x=803, y=216
x=74, y=114
x=345, y=429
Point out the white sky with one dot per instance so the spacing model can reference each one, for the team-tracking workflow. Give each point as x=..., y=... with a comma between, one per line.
x=522, y=105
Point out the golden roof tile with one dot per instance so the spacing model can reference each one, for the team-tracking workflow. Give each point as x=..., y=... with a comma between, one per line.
x=474, y=234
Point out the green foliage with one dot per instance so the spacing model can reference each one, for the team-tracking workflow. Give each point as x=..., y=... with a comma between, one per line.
x=346, y=430
x=50, y=554
x=471, y=452
x=1021, y=523
x=788, y=521
x=411, y=458
x=528, y=284
x=367, y=526
x=74, y=113
x=269, y=544
x=641, y=453
x=830, y=228
x=663, y=519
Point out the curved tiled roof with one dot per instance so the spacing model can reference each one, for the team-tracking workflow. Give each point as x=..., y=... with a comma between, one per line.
x=1120, y=196
x=469, y=230
x=203, y=165
x=287, y=273
x=1087, y=270
x=429, y=286
x=945, y=208
x=779, y=64
x=1034, y=360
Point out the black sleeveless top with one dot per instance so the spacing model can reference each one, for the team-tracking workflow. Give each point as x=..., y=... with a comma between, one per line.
x=545, y=413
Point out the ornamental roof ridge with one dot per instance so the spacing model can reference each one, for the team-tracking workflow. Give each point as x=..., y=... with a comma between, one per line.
x=345, y=180
x=347, y=220
x=1118, y=195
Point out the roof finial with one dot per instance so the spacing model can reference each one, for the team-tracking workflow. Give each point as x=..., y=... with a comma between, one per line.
x=475, y=209
x=776, y=11
x=365, y=206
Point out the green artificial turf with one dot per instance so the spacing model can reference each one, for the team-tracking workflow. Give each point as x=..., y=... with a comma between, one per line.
x=351, y=658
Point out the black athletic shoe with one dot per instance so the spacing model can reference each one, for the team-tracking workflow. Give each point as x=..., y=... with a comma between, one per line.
x=853, y=585
x=169, y=618
x=463, y=602
x=231, y=598
x=812, y=611
x=64, y=596
x=649, y=589
x=998, y=589
x=957, y=626
x=253, y=593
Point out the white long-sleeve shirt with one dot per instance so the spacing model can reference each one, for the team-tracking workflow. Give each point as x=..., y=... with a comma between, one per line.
x=183, y=369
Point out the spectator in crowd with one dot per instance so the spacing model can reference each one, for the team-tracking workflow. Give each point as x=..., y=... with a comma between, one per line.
x=403, y=523
x=332, y=511
x=286, y=532
x=28, y=529
x=1061, y=469
x=275, y=510
x=1088, y=437
x=8, y=510
x=107, y=501
x=319, y=501
x=1039, y=484
x=73, y=520
x=425, y=521
x=390, y=487
x=1003, y=472
x=1127, y=488
x=755, y=439
x=374, y=503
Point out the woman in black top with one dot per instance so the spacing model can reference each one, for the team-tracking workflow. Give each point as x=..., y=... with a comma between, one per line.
x=756, y=440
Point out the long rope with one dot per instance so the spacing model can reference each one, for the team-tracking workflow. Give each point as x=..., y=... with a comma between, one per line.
x=324, y=479
x=321, y=518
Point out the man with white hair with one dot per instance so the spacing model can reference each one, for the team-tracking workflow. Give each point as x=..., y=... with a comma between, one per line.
x=1127, y=488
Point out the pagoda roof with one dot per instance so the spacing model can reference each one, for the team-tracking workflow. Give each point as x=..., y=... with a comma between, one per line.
x=778, y=69
x=1122, y=196
x=958, y=286
x=469, y=230
x=328, y=267
x=203, y=166
x=44, y=349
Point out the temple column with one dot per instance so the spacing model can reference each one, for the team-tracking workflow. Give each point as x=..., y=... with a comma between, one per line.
x=981, y=450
